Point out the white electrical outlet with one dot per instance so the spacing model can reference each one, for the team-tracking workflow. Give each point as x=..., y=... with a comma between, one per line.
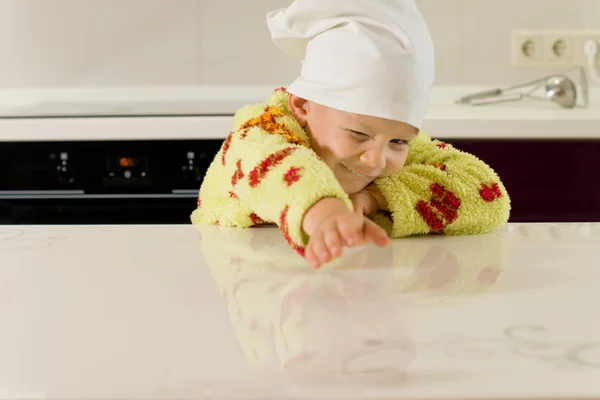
x=547, y=47
x=559, y=48
x=527, y=48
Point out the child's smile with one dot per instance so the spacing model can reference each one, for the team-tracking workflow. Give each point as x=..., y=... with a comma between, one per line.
x=357, y=174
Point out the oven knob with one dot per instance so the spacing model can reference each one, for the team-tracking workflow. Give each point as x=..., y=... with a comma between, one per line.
x=64, y=171
x=191, y=172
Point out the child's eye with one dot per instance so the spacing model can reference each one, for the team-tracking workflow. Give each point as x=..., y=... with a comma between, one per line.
x=399, y=141
x=358, y=135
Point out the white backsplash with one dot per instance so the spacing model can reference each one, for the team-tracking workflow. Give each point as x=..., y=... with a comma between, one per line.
x=66, y=43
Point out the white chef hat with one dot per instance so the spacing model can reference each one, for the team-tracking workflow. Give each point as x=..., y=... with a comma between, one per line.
x=371, y=57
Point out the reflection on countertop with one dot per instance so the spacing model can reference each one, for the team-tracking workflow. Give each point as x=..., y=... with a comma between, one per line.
x=347, y=320
x=164, y=312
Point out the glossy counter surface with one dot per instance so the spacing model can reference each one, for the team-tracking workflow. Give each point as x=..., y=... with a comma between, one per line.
x=171, y=312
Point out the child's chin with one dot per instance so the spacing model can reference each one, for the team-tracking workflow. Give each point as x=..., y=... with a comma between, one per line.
x=354, y=187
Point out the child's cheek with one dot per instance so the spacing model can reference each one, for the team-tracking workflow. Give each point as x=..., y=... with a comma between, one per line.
x=396, y=165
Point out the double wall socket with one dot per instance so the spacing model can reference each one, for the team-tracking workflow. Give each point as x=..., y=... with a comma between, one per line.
x=546, y=47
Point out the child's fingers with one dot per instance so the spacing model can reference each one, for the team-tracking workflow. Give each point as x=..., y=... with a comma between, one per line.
x=359, y=206
x=320, y=247
x=333, y=242
x=349, y=232
x=314, y=249
x=376, y=234
x=310, y=255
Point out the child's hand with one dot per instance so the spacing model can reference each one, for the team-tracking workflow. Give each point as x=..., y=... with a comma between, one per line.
x=331, y=226
x=369, y=200
x=364, y=202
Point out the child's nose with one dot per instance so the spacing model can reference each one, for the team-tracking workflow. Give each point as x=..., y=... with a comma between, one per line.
x=374, y=159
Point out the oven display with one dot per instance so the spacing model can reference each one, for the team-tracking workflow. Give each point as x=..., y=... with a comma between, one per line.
x=123, y=162
x=128, y=162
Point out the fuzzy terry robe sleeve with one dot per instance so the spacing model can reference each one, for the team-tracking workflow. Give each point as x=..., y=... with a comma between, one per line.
x=442, y=190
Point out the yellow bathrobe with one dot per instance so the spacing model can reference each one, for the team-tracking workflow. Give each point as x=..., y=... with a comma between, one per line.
x=266, y=172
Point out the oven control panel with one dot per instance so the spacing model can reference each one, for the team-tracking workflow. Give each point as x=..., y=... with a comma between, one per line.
x=107, y=168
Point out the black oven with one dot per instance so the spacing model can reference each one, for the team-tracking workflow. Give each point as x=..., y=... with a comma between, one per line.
x=102, y=182
x=549, y=180
x=157, y=181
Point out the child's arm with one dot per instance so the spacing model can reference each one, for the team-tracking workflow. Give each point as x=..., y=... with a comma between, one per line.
x=442, y=190
x=270, y=175
x=280, y=181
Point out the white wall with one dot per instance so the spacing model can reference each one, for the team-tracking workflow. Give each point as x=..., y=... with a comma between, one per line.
x=472, y=37
x=52, y=43
x=98, y=42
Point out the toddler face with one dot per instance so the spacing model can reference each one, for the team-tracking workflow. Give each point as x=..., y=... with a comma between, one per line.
x=357, y=148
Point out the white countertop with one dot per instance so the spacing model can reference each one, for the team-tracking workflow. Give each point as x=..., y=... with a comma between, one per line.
x=206, y=113
x=171, y=312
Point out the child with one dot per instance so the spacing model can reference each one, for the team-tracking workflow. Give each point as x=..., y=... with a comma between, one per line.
x=344, y=141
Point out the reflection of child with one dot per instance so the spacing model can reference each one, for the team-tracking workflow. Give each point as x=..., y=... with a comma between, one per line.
x=305, y=322
x=346, y=135
x=310, y=326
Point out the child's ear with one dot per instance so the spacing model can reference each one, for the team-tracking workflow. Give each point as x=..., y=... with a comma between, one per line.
x=299, y=108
